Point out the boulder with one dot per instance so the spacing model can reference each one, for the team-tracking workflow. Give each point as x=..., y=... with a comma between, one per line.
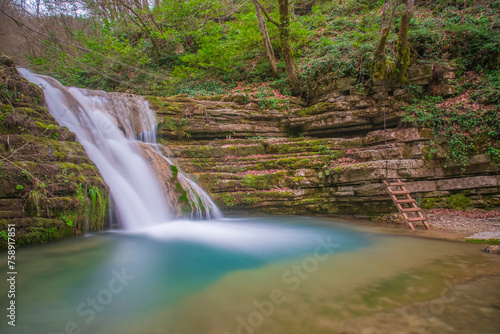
x=492, y=249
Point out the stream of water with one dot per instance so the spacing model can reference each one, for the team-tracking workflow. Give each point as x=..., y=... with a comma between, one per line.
x=255, y=275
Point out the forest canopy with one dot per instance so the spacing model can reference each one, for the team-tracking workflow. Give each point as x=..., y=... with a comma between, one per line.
x=167, y=47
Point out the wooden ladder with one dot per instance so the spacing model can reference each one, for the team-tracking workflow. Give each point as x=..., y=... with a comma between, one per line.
x=407, y=206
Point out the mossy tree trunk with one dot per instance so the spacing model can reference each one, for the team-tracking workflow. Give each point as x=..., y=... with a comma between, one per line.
x=286, y=45
x=380, y=65
x=265, y=38
x=402, y=46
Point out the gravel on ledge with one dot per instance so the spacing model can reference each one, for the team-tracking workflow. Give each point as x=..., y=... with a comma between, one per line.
x=467, y=221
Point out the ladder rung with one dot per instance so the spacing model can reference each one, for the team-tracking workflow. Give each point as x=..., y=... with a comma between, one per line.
x=408, y=200
x=410, y=209
x=417, y=219
x=401, y=201
x=399, y=192
x=396, y=184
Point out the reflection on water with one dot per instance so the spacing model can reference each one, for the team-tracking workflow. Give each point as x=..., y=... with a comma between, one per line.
x=255, y=275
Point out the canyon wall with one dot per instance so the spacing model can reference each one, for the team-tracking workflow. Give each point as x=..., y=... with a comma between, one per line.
x=322, y=156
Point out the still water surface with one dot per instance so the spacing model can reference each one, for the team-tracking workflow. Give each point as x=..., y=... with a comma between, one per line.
x=255, y=275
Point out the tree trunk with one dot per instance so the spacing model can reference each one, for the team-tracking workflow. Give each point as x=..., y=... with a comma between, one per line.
x=286, y=47
x=265, y=39
x=402, y=46
x=380, y=66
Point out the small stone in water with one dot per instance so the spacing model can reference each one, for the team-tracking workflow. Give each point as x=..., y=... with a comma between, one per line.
x=492, y=249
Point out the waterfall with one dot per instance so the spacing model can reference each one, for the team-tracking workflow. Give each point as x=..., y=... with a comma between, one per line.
x=111, y=128
x=203, y=206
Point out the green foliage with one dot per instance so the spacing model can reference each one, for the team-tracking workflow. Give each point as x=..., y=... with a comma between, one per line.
x=8, y=95
x=463, y=128
x=464, y=34
x=266, y=99
x=203, y=47
x=204, y=88
x=487, y=90
x=67, y=221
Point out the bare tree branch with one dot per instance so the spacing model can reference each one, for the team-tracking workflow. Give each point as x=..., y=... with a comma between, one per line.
x=264, y=10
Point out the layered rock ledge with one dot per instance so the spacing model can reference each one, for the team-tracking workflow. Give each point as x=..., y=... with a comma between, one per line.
x=325, y=158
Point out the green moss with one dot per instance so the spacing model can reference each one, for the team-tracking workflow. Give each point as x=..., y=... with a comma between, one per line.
x=351, y=143
x=97, y=212
x=44, y=233
x=294, y=163
x=407, y=152
x=426, y=133
x=318, y=108
x=163, y=105
x=263, y=182
x=226, y=200
x=185, y=203
x=59, y=155
x=298, y=179
x=427, y=152
x=429, y=203
x=6, y=108
x=309, y=201
x=491, y=241
x=38, y=231
x=400, y=71
x=458, y=202
x=174, y=170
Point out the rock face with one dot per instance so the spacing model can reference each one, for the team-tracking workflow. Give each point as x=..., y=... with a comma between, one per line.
x=49, y=188
x=327, y=158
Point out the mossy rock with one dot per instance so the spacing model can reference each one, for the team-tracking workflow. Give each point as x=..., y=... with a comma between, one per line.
x=59, y=186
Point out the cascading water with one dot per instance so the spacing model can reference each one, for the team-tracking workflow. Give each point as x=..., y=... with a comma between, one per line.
x=110, y=126
x=202, y=204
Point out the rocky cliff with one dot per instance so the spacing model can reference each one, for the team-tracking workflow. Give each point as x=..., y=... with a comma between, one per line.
x=326, y=155
x=49, y=188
